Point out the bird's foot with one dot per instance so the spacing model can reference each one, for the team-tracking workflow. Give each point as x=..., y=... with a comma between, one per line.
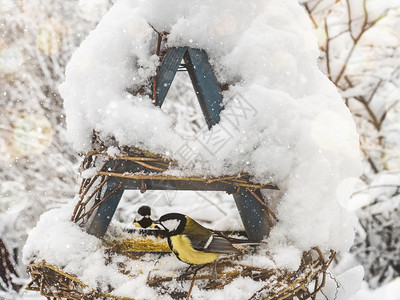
x=189, y=271
x=184, y=275
x=214, y=275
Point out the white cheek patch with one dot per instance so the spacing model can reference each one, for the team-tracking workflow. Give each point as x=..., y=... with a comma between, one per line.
x=138, y=217
x=171, y=225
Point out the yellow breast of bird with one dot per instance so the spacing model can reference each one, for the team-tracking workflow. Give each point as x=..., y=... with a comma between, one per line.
x=185, y=252
x=136, y=224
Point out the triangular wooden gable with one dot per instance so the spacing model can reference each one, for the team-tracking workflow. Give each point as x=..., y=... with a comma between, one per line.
x=209, y=96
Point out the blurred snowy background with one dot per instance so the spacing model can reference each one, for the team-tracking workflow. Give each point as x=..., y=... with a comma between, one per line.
x=360, y=53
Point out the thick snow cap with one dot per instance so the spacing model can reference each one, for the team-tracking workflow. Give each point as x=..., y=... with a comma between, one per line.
x=295, y=130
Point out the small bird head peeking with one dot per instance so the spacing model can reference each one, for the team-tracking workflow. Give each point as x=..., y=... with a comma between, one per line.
x=143, y=211
x=173, y=223
x=143, y=217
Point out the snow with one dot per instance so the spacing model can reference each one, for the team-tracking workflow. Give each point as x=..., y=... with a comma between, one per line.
x=298, y=133
x=74, y=250
x=39, y=172
x=343, y=286
x=284, y=122
x=90, y=260
x=390, y=291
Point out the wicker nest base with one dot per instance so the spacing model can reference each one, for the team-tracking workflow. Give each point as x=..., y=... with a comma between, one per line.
x=305, y=283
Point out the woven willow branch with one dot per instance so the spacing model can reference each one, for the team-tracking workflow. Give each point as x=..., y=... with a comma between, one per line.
x=153, y=163
x=51, y=281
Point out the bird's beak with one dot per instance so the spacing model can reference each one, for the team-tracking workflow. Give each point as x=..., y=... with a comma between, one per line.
x=157, y=222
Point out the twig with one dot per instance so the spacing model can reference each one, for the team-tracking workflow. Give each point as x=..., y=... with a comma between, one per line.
x=364, y=28
x=349, y=21
x=327, y=43
x=310, y=14
x=88, y=213
x=192, y=284
x=376, y=187
x=263, y=204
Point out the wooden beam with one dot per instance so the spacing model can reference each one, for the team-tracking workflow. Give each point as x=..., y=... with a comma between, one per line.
x=205, y=84
x=167, y=71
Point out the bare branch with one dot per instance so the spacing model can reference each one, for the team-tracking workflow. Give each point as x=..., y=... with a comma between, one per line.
x=310, y=15
x=327, y=57
x=364, y=28
x=349, y=20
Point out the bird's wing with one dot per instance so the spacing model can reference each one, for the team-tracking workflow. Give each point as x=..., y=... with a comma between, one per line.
x=236, y=241
x=215, y=244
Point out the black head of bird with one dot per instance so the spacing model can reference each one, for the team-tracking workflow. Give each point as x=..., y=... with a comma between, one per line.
x=193, y=243
x=143, y=217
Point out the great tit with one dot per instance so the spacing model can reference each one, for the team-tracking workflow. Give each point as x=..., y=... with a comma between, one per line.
x=143, y=218
x=191, y=242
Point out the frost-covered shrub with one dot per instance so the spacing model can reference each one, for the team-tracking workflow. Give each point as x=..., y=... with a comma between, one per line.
x=359, y=42
x=38, y=167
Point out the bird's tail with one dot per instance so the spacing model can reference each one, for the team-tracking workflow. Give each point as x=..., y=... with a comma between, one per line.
x=237, y=241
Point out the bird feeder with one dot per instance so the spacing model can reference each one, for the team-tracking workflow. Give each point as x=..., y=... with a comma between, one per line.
x=138, y=169
x=137, y=165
